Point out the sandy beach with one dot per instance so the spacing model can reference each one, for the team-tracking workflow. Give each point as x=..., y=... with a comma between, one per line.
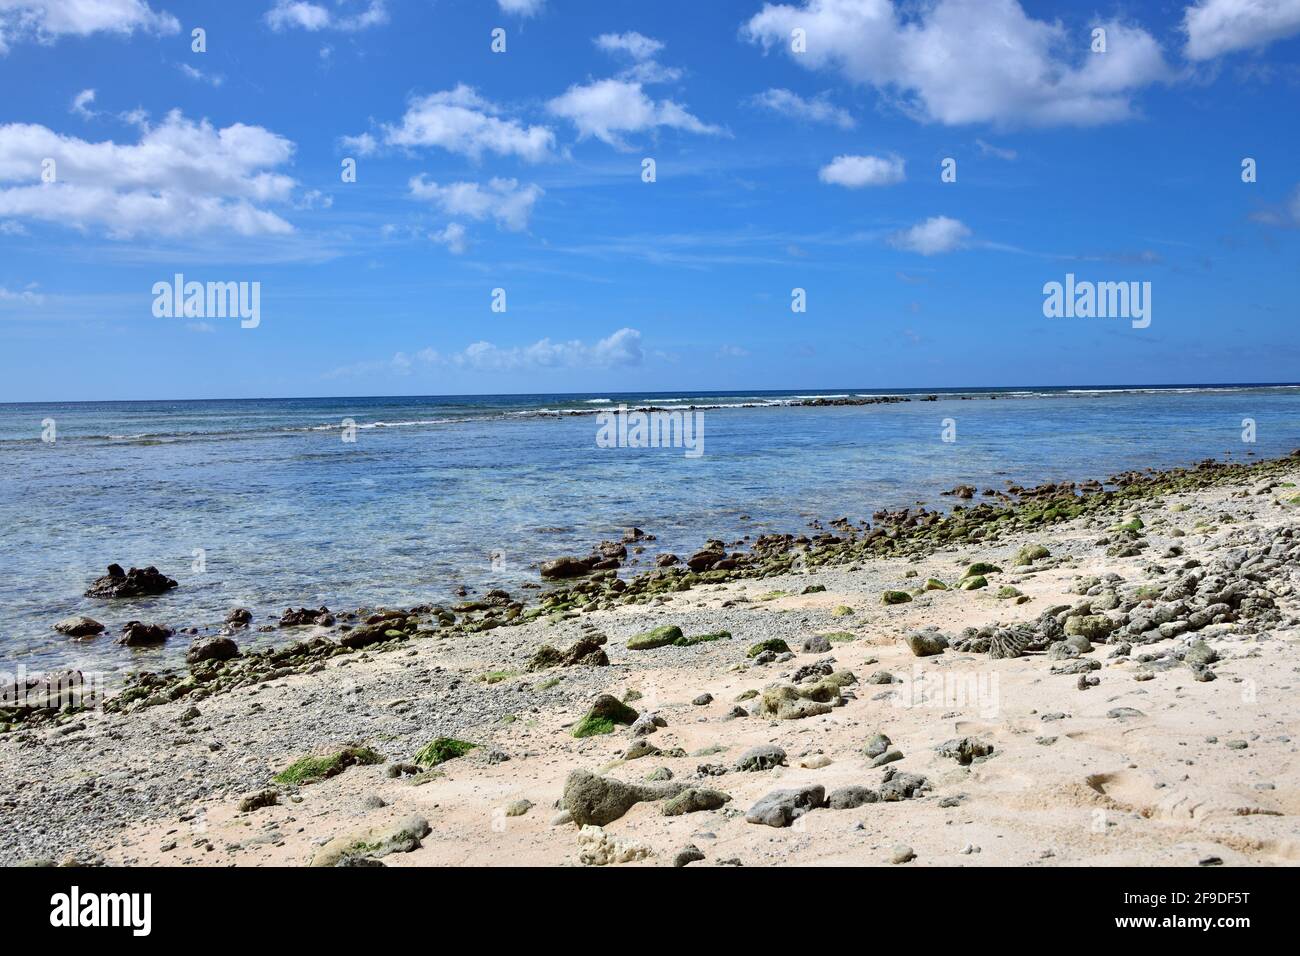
x=1150, y=718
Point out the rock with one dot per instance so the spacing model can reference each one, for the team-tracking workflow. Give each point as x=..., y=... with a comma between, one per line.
x=927, y=643
x=815, y=762
x=1094, y=627
x=850, y=798
x=934, y=584
x=1200, y=654
x=981, y=568
x=256, y=801
x=640, y=748
x=239, y=617
x=667, y=560
x=518, y=808
x=761, y=757
x=702, y=700
x=889, y=756
x=780, y=808
x=1121, y=713
x=605, y=711
x=139, y=634
x=138, y=582
x=646, y=724
x=816, y=644
x=688, y=854
x=400, y=837
x=902, y=854
x=659, y=637
x=696, y=800
x=1029, y=554
x=211, y=649
x=773, y=644
x=902, y=786
x=895, y=597
x=842, y=610
x=877, y=745
x=597, y=848
x=585, y=652
x=370, y=634
x=306, y=617
x=78, y=626
x=601, y=800
x=973, y=583
x=566, y=567
x=965, y=750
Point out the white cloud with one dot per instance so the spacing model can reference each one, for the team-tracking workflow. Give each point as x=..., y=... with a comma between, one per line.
x=46, y=20
x=182, y=177
x=214, y=79
x=858, y=171
x=453, y=237
x=25, y=297
x=1215, y=27
x=969, y=61
x=623, y=348
x=988, y=149
x=352, y=16
x=502, y=200
x=607, y=108
x=525, y=8
x=81, y=104
x=636, y=45
x=819, y=109
x=460, y=121
x=937, y=234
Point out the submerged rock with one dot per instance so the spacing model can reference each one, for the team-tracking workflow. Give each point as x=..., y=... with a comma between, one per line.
x=139, y=634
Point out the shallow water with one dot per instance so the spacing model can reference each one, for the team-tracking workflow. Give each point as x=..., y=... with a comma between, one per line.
x=439, y=492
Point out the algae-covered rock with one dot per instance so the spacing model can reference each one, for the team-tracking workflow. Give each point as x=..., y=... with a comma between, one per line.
x=973, y=583
x=773, y=644
x=1029, y=554
x=321, y=767
x=606, y=711
x=374, y=843
x=895, y=597
x=441, y=749
x=658, y=637
x=695, y=800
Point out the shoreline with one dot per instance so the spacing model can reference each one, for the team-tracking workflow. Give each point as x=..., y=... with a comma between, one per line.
x=195, y=746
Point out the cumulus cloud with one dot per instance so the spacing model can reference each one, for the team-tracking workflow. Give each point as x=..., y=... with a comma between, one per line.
x=636, y=45
x=998, y=152
x=25, y=297
x=968, y=61
x=819, y=109
x=524, y=8
x=453, y=237
x=858, y=171
x=459, y=121
x=46, y=20
x=182, y=177
x=351, y=15
x=1216, y=27
x=620, y=350
x=81, y=104
x=502, y=200
x=937, y=234
x=606, y=109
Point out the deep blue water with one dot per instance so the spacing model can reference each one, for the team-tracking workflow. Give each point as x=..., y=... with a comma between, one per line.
x=287, y=513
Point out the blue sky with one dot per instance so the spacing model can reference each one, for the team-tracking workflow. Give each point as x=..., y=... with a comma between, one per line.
x=522, y=170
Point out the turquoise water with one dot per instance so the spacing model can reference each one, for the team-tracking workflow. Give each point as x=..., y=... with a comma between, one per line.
x=441, y=492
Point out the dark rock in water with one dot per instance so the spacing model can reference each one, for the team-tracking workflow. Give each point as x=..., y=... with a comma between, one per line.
x=965, y=750
x=780, y=808
x=370, y=634
x=139, y=634
x=762, y=757
x=707, y=557
x=78, y=626
x=566, y=567
x=666, y=560
x=602, y=800
x=211, y=649
x=138, y=582
x=850, y=798
x=303, y=616
x=239, y=617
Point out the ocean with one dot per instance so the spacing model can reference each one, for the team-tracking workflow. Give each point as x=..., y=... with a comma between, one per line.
x=263, y=504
